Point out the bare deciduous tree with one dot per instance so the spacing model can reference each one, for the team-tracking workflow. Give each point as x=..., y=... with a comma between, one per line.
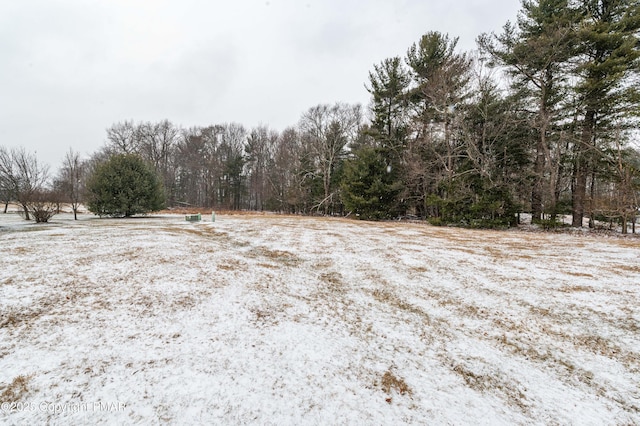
x=44, y=204
x=260, y=152
x=327, y=130
x=70, y=180
x=157, y=144
x=123, y=138
x=22, y=175
x=7, y=190
x=286, y=176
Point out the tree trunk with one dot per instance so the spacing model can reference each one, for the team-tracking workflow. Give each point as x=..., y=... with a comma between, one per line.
x=6, y=207
x=542, y=150
x=579, y=193
x=536, y=193
x=592, y=194
x=557, y=190
x=581, y=169
x=26, y=212
x=326, y=182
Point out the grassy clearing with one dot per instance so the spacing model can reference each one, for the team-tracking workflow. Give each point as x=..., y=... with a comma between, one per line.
x=258, y=318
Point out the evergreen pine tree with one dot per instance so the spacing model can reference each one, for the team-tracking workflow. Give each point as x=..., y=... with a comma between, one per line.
x=370, y=186
x=535, y=53
x=124, y=186
x=608, y=57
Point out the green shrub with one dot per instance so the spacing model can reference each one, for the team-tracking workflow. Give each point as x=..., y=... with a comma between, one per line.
x=124, y=186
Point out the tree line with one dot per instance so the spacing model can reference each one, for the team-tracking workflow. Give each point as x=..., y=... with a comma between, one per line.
x=542, y=118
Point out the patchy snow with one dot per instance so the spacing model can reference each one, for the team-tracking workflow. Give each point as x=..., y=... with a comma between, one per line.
x=294, y=320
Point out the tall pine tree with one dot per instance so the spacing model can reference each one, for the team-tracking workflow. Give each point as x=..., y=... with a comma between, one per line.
x=439, y=88
x=607, y=60
x=535, y=53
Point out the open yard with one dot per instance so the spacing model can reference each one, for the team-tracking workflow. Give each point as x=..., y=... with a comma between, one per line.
x=263, y=319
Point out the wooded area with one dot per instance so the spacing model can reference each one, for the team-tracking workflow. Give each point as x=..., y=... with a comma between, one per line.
x=543, y=118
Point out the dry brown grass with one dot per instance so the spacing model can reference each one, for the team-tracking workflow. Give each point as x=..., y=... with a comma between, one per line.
x=206, y=212
x=333, y=280
x=496, y=252
x=21, y=251
x=16, y=390
x=385, y=296
x=280, y=256
x=232, y=265
x=473, y=380
x=264, y=317
x=570, y=373
x=267, y=265
x=628, y=268
x=17, y=318
x=628, y=241
x=130, y=254
x=493, y=383
x=391, y=382
x=9, y=281
x=579, y=274
x=598, y=345
x=184, y=302
x=323, y=264
x=577, y=288
x=200, y=231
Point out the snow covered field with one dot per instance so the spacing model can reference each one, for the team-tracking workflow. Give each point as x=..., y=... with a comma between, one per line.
x=293, y=320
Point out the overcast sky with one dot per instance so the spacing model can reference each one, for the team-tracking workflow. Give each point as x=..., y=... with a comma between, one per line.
x=71, y=68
